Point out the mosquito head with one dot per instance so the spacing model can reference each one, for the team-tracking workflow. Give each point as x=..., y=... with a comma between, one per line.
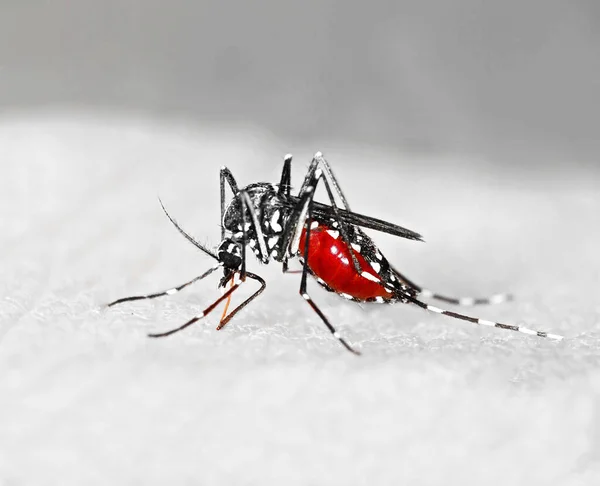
x=230, y=254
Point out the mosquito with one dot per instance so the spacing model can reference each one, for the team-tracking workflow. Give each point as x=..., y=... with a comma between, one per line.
x=328, y=241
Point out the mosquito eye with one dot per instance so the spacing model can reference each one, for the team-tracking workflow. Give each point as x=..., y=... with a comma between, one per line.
x=230, y=260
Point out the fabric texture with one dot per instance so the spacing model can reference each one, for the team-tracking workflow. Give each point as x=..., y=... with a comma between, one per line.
x=87, y=398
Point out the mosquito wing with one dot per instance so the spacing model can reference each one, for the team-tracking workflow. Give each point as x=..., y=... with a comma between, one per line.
x=325, y=212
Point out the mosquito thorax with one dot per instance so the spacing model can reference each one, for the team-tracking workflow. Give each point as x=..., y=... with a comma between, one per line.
x=259, y=195
x=230, y=254
x=270, y=210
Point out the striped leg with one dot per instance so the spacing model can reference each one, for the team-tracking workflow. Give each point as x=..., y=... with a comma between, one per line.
x=319, y=170
x=211, y=307
x=204, y=313
x=225, y=319
x=481, y=322
x=226, y=177
x=285, y=183
x=320, y=167
x=464, y=301
x=303, y=283
x=467, y=301
x=264, y=255
x=171, y=291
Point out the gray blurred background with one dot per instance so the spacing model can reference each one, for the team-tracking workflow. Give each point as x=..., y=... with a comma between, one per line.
x=513, y=81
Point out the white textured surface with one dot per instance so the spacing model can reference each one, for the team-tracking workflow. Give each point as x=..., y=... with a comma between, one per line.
x=86, y=398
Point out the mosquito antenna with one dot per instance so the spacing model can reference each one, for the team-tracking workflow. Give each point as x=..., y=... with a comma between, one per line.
x=187, y=236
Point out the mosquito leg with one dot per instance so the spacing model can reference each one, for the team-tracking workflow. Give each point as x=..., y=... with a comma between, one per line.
x=285, y=266
x=467, y=301
x=291, y=272
x=285, y=184
x=293, y=230
x=320, y=167
x=319, y=162
x=171, y=291
x=342, y=228
x=464, y=301
x=204, y=313
x=226, y=176
x=481, y=322
x=245, y=227
x=308, y=298
x=262, y=244
x=263, y=284
x=323, y=169
x=315, y=174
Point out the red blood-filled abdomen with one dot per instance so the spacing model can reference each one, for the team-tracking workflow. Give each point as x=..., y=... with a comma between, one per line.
x=329, y=259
